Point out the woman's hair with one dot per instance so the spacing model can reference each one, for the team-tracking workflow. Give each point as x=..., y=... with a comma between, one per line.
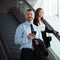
x=36, y=16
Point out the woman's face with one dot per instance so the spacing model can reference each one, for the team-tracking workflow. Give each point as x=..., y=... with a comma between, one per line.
x=40, y=13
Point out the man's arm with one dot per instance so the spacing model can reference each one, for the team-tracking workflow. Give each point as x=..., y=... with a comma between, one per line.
x=20, y=36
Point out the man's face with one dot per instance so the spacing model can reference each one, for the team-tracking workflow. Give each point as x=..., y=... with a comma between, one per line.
x=29, y=16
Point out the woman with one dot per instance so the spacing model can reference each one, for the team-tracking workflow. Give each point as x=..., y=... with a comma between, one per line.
x=39, y=21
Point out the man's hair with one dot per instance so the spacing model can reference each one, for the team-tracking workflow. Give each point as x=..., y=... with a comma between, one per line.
x=30, y=10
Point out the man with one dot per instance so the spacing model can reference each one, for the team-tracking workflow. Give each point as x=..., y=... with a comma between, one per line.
x=24, y=37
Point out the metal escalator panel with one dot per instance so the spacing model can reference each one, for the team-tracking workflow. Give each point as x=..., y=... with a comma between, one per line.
x=2, y=53
x=8, y=26
x=4, y=49
x=54, y=49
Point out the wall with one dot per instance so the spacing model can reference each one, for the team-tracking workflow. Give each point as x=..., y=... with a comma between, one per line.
x=3, y=6
x=6, y=4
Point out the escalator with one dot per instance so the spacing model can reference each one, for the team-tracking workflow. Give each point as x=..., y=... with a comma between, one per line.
x=52, y=56
x=8, y=25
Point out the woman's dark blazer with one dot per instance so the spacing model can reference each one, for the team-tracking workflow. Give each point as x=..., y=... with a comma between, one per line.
x=45, y=38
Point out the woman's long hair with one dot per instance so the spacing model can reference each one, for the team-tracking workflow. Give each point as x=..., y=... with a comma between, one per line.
x=36, y=16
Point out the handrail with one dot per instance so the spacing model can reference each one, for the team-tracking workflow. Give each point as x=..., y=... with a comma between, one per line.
x=15, y=11
x=6, y=49
x=29, y=5
x=56, y=34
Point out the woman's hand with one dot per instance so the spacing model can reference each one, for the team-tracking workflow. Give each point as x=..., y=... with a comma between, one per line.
x=55, y=32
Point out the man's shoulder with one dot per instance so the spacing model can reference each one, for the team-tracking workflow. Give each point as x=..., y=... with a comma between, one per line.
x=21, y=25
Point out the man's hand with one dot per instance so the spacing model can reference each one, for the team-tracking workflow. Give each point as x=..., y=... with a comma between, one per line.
x=36, y=42
x=31, y=36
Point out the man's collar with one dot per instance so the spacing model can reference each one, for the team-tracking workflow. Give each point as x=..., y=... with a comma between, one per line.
x=29, y=23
